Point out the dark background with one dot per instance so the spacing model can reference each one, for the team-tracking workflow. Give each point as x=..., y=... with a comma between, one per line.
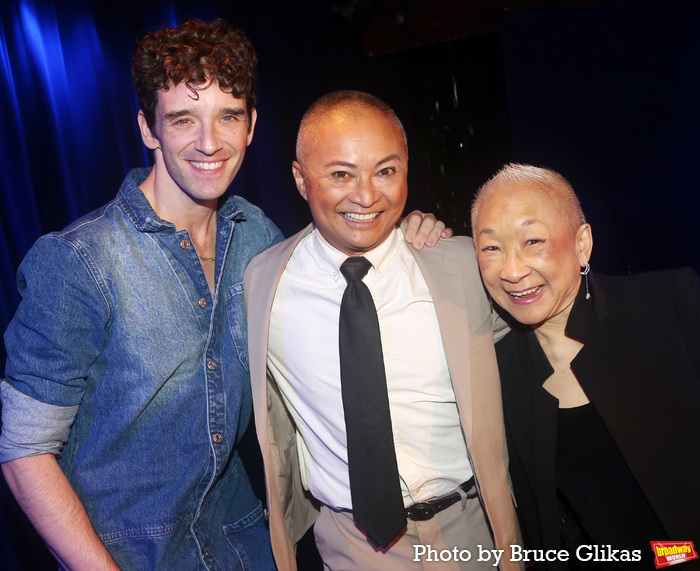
x=607, y=93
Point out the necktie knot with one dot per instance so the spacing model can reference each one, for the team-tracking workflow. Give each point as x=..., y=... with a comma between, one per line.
x=355, y=268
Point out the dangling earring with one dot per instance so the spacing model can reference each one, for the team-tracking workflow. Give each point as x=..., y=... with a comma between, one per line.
x=584, y=272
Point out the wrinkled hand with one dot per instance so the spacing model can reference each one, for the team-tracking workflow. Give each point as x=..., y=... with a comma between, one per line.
x=425, y=229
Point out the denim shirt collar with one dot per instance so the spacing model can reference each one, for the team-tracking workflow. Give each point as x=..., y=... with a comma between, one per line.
x=141, y=213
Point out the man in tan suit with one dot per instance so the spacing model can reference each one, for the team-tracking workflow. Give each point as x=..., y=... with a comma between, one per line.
x=437, y=342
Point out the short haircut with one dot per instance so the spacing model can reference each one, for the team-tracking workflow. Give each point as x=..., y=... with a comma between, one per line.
x=196, y=53
x=351, y=102
x=547, y=181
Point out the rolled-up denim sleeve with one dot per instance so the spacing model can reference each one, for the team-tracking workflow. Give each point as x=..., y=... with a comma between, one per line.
x=52, y=343
x=31, y=427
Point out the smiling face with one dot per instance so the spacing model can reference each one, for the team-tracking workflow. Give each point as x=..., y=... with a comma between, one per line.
x=529, y=256
x=354, y=178
x=198, y=144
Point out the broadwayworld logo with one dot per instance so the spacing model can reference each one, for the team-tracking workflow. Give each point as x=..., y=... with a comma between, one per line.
x=673, y=552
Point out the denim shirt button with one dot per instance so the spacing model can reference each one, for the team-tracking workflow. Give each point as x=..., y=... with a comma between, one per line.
x=212, y=365
x=216, y=437
x=203, y=302
x=185, y=244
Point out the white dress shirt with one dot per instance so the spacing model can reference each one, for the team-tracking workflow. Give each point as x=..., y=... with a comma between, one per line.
x=304, y=360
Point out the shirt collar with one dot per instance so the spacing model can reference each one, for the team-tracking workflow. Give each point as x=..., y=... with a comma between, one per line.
x=141, y=213
x=380, y=257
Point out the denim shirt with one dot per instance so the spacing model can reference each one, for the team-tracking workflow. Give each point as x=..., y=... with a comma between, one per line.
x=119, y=350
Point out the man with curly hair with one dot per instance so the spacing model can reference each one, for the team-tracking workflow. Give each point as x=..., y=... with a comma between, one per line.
x=127, y=386
x=127, y=383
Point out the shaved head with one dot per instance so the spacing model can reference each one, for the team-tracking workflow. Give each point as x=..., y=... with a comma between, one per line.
x=342, y=104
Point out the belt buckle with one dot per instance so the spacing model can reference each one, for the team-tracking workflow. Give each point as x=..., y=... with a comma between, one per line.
x=421, y=511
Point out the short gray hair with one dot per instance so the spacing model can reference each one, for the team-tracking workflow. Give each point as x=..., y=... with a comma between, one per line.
x=549, y=182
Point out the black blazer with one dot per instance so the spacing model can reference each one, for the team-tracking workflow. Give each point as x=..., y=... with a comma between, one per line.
x=640, y=368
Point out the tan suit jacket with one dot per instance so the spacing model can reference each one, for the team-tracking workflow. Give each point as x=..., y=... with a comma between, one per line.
x=466, y=323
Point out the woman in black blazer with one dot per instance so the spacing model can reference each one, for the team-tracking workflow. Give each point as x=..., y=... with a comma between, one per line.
x=600, y=379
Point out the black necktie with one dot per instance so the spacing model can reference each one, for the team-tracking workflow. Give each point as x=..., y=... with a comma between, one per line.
x=377, y=502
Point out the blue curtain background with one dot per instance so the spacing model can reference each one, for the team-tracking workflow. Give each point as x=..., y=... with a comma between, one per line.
x=69, y=133
x=608, y=94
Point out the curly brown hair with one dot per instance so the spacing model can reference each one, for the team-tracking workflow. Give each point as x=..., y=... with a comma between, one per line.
x=197, y=53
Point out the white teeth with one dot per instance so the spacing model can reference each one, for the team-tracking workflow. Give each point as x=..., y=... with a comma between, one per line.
x=207, y=166
x=360, y=217
x=527, y=292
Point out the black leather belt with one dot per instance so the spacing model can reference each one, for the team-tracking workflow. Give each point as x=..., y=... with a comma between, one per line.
x=423, y=511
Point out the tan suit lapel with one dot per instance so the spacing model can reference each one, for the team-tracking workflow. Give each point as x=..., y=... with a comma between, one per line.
x=445, y=282
x=275, y=431
x=466, y=323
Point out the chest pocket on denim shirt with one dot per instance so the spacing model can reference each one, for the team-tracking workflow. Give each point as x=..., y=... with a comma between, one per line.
x=237, y=324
